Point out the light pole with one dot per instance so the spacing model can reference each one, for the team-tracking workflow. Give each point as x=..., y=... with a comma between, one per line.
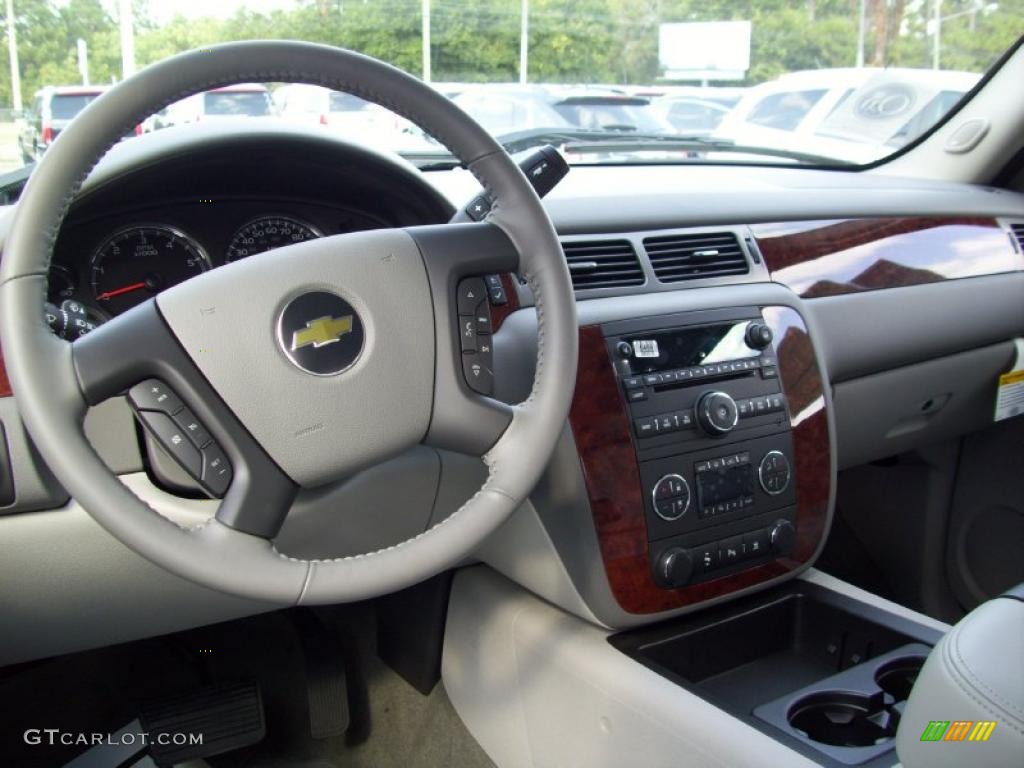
x=426, y=41
x=127, y=22
x=935, y=25
x=12, y=50
x=524, y=37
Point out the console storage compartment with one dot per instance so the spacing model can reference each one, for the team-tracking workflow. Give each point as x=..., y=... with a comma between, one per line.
x=823, y=673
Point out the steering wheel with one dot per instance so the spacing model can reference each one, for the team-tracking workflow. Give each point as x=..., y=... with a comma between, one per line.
x=224, y=343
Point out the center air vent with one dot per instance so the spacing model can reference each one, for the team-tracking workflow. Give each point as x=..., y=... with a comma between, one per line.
x=696, y=256
x=602, y=264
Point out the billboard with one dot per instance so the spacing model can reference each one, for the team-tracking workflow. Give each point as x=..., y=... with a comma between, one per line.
x=705, y=50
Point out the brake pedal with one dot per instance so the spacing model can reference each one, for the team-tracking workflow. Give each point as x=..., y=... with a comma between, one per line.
x=204, y=723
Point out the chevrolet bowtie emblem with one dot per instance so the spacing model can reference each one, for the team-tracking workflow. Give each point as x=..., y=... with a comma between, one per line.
x=329, y=343
x=321, y=332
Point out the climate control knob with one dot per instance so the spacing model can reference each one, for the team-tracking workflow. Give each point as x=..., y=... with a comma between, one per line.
x=774, y=473
x=675, y=566
x=782, y=537
x=758, y=335
x=717, y=413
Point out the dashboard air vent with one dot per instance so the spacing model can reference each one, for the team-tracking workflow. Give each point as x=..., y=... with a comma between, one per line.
x=602, y=264
x=1018, y=233
x=696, y=256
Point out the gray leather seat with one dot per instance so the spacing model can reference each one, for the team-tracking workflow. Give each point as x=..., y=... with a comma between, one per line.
x=973, y=677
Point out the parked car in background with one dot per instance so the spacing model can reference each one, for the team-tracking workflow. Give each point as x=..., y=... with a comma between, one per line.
x=509, y=108
x=52, y=108
x=692, y=116
x=349, y=116
x=849, y=114
x=229, y=103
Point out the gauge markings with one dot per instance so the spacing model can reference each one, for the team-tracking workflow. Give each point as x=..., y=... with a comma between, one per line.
x=267, y=233
x=138, y=262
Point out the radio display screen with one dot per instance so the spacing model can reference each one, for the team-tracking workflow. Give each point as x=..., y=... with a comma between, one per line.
x=718, y=485
x=655, y=351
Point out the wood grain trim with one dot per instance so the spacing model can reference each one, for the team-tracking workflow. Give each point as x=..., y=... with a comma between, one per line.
x=829, y=258
x=5, y=383
x=600, y=424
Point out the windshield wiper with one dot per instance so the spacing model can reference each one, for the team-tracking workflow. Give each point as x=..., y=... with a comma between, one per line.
x=584, y=141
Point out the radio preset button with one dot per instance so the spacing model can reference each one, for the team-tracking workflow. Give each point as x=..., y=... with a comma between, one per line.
x=650, y=379
x=632, y=382
x=636, y=395
x=645, y=427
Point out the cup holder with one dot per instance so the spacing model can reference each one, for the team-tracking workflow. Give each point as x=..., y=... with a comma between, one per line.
x=844, y=719
x=897, y=676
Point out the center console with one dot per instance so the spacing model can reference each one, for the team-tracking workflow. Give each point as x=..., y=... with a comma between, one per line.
x=705, y=447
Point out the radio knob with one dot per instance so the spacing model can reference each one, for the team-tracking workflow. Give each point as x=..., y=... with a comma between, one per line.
x=675, y=566
x=758, y=335
x=717, y=413
x=782, y=537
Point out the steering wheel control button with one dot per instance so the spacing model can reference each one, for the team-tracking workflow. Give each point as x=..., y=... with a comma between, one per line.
x=193, y=427
x=477, y=370
x=174, y=440
x=320, y=333
x=774, y=473
x=495, y=290
x=154, y=395
x=216, y=476
x=471, y=292
x=671, y=497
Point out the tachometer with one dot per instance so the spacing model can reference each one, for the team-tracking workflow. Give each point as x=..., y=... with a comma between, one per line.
x=138, y=262
x=267, y=233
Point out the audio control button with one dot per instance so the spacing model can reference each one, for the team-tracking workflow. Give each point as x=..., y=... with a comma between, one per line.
x=705, y=557
x=644, y=427
x=756, y=543
x=717, y=413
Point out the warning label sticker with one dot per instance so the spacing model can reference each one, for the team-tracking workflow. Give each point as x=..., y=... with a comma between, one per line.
x=1010, y=394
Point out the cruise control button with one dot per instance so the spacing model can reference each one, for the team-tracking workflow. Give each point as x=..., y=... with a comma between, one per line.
x=174, y=440
x=471, y=292
x=154, y=395
x=193, y=427
x=216, y=470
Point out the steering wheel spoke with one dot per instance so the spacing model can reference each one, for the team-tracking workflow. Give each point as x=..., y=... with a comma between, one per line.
x=137, y=353
x=465, y=417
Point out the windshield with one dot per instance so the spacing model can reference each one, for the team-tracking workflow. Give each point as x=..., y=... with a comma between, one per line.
x=815, y=82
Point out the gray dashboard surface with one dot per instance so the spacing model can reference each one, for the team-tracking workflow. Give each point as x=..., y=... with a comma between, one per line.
x=599, y=199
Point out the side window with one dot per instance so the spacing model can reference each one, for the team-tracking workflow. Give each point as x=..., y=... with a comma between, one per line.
x=784, y=111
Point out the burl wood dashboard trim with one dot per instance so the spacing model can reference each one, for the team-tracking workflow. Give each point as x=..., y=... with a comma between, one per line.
x=600, y=423
x=831, y=258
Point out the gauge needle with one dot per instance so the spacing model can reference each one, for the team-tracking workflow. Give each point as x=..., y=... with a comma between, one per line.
x=119, y=291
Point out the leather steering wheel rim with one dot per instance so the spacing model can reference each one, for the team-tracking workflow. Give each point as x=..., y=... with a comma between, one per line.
x=55, y=381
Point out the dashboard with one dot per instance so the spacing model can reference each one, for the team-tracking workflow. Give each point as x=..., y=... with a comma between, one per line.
x=891, y=306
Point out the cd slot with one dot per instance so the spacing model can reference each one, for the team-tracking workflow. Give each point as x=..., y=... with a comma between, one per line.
x=689, y=382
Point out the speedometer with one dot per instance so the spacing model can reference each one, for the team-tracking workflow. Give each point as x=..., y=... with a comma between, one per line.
x=138, y=262
x=267, y=233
